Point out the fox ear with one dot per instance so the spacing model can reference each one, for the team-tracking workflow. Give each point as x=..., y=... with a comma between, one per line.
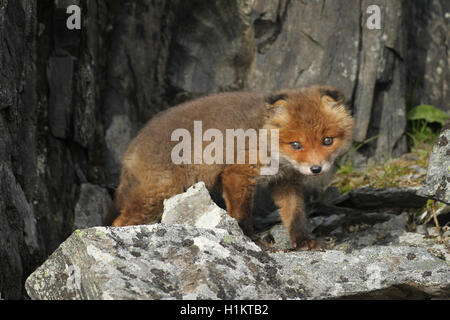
x=274, y=98
x=276, y=104
x=331, y=96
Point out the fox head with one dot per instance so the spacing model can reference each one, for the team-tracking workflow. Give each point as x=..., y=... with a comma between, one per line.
x=314, y=127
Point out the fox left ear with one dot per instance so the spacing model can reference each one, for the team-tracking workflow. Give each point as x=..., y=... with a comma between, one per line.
x=331, y=96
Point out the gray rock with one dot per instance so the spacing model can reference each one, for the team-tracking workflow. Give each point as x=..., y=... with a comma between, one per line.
x=199, y=252
x=60, y=79
x=361, y=235
x=427, y=242
x=117, y=137
x=369, y=198
x=264, y=222
x=212, y=49
x=438, y=174
x=159, y=262
x=183, y=262
x=136, y=73
x=92, y=207
x=367, y=230
x=430, y=76
x=379, y=100
x=373, y=272
x=196, y=208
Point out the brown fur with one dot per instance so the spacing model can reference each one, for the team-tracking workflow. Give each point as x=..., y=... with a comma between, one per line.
x=307, y=115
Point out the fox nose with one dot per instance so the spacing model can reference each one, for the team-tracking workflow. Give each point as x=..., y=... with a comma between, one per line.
x=316, y=169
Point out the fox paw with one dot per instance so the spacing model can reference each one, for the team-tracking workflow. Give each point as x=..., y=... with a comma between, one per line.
x=310, y=244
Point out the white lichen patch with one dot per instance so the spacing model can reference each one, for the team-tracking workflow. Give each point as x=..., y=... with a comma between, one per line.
x=211, y=218
x=99, y=254
x=205, y=244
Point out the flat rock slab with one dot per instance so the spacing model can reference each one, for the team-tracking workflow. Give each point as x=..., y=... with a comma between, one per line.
x=158, y=262
x=369, y=198
x=183, y=262
x=373, y=272
x=196, y=208
x=437, y=184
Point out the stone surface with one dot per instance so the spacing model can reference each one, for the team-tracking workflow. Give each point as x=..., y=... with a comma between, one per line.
x=379, y=103
x=198, y=253
x=20, y=235
x=159, y=262
x=92, y=207
x=437, y=184
x=428, y=81
x=347, y=233
x=135, y=76
x=374, y=272
x=183, y=262
x=368, y=198
x=196, y=208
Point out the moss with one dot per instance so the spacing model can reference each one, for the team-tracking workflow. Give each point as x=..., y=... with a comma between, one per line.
x=229, y=238
x=409, y=170
x=100, y=234
x=79, y=233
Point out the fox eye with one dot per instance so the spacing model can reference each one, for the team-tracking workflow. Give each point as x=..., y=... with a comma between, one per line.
x=328, y=141
x=296, y=145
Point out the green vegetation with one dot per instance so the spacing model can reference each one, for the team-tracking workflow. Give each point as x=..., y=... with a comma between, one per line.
x=425, y=123
x=406, y=171
x=423, y=120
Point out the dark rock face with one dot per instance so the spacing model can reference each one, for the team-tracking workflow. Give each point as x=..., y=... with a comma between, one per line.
x=71, y=100
x=428, y=80
x=367, y=198
x=19, y=242
x=135, y=74
x=437, y=184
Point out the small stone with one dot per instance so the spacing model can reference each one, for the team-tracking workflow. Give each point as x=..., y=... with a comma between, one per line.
x=196, y=208
x=438, y=175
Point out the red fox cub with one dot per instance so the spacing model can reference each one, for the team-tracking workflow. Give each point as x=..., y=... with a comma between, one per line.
x=312, y=127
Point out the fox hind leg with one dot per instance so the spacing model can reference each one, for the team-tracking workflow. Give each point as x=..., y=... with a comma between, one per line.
x=141, y=201
x=238, y=185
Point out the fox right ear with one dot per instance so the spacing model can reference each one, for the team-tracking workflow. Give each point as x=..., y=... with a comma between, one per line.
x=276, y=104
x=274, y=98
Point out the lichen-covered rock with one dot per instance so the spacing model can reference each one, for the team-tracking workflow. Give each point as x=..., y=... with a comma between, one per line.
x=196, y=208
x=371, y=229
x=159, y=262
x=437, y=184
x=373, y=272
x=199, y=252
x=183, y=262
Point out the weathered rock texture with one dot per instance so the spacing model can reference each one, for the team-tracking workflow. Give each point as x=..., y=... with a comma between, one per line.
x=216, y=261
x=437, y=184
x=93, y=207
x=429, y=34
x=368, y=198
x=70, y=100
x=157, y=262
x=196, y=208
x=374, y=272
